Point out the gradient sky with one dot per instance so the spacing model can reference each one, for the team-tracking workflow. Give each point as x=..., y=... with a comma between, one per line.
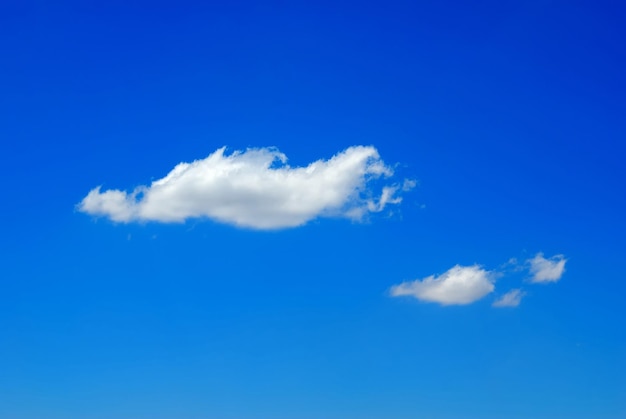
x=509, y=118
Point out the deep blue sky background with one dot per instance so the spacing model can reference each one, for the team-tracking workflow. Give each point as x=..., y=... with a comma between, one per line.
x=512, y=117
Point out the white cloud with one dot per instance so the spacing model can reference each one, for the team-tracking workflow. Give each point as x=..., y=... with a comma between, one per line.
x=467, y=284
x=409, y=184
x=459, y=285
x=510, y=299
x=546, y=270
x=256, y=188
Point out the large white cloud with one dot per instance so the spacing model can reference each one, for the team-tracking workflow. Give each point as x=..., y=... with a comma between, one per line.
x=547, y=270
x=459, y=285
x=511, y=299
x=256, y=188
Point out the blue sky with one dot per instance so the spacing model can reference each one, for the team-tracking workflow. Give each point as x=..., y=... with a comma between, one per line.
x=246, y=287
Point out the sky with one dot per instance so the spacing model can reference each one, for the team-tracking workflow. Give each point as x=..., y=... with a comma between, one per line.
x=312, y=210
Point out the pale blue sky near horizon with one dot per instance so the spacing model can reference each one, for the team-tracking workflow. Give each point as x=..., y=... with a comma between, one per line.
x=509, y=117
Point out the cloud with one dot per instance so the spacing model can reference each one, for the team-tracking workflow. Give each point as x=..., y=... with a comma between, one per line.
x=546, y=270
x=466, y=284
x=458, y=286
x=511, y=299
x=257, y=189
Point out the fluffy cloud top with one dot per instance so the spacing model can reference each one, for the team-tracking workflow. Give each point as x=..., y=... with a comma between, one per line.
x=459, y=285
x=547, y=270
x=511, y=299
x=255, y=188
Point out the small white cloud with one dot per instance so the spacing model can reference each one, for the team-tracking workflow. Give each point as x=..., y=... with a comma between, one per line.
x=510, y=299
x=460, y=285
x=546, y=270
x=257, y=189
x=512, y=265
x=408, y=184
